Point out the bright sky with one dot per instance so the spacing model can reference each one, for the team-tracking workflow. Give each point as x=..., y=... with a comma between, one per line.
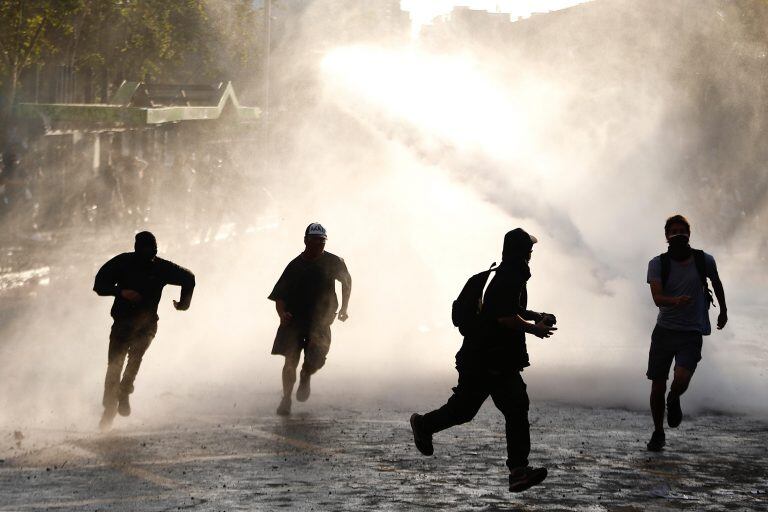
x=424, y=11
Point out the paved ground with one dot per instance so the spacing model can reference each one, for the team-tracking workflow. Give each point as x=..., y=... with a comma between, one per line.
x=327, y=458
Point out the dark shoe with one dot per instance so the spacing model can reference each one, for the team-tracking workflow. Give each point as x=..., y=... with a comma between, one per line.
x=302, y=393
x=106, y=418
x=284, y=409
x=526, y=478
x=674, y=413
x=657, y=442
x=124, y=406
x=422, y=439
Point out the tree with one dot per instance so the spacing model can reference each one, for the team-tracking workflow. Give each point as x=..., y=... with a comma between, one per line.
x=25, y=24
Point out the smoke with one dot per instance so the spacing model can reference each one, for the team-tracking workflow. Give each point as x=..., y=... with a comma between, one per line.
x=588, y=127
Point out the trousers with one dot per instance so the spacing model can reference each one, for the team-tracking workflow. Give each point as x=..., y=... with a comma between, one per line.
x=508, y=391
x=128, y=338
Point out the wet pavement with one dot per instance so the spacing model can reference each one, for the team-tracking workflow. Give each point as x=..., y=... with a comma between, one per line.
x=362, y=458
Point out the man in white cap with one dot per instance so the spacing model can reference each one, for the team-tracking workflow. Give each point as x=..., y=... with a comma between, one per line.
x=306, y=302
x=494, y=324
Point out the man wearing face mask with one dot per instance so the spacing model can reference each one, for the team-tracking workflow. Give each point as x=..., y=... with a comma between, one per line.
x=492, y=356
x=136, y=280
x=306, y=302
x=678, y=280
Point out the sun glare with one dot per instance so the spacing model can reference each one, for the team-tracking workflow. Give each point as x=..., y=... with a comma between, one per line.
x=450, y=98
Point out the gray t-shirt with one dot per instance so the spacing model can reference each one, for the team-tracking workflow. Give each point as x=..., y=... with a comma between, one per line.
x=684, y=280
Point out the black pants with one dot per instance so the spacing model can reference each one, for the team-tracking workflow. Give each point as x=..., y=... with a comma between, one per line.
x=129, y=338
x=508, y=392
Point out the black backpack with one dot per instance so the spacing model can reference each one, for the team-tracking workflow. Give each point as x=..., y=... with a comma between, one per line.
x=701, y=267
x=466, y=308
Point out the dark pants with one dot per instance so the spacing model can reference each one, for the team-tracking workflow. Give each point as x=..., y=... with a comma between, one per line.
x=508, y=392
x=131, y=338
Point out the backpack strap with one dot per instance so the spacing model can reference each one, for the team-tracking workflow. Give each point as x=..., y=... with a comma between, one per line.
x=486, y=284
x=665, y=266
x=699, y=261
x=701, y=265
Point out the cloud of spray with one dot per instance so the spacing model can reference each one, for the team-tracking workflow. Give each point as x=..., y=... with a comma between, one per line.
x=582, y=126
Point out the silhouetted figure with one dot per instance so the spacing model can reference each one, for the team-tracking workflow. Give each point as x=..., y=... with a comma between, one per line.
x=492, y=356
x=305, y=299
x=136, y=280
x=678, y=280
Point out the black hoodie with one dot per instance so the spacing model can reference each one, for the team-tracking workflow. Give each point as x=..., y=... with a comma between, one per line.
x=495, y=347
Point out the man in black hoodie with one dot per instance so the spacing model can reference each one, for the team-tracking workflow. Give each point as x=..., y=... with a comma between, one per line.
x=490, y=361
x=136, y=280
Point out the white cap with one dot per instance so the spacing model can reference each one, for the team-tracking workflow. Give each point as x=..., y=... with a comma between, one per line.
x=316, y=229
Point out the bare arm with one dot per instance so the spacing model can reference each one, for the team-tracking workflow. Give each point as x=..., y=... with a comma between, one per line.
x=282, y=312
x=532, y=316
x=346, y=291
x=661, y=300
x=516, y=322
x=722, y=317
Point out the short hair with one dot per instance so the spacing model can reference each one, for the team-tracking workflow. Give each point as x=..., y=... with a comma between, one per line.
x=676, y=219
x=145, y=239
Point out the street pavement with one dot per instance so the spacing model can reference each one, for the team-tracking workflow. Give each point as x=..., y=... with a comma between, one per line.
x=337, y=454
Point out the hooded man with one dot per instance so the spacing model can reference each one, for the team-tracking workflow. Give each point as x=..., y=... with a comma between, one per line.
x=678, y=280
x=492, y=356
x=306, y=302
x=136, y=280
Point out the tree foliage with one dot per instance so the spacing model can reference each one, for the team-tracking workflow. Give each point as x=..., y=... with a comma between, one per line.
x=163, y=40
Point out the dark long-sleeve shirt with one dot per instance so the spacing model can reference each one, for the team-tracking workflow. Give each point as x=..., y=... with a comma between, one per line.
x=492, y=345
x=128, y=271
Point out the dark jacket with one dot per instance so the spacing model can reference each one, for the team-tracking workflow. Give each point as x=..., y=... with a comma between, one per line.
x=129, y=271
x=492, y=346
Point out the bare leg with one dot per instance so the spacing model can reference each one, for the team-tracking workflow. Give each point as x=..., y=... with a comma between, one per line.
x=658, y=388
x=289, y=379
x=289, y=373
x=680, y=381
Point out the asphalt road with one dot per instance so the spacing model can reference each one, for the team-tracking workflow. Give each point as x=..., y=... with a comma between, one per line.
x=327, y=457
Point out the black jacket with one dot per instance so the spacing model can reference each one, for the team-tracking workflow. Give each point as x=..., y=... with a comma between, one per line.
x=492, y=346
x=129, y=271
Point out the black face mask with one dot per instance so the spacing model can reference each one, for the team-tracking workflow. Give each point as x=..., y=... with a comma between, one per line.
x=678, y=247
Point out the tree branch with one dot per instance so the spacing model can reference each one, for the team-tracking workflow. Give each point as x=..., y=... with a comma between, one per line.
x=33, y=41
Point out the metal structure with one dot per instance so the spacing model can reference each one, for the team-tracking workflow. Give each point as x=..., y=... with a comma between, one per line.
x=139, y=104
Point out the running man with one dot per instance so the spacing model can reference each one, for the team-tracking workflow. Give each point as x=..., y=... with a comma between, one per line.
x=492, y=356
x=136, y=280
x=678, y=280
x=306, y=302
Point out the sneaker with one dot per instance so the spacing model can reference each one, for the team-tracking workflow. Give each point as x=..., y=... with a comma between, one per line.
x=657, y=442
x=674, y=413
x=302, y=392
x=284, y=409
x=124, y=406
x=422, y=440
x=106, y=418
x=525, y=478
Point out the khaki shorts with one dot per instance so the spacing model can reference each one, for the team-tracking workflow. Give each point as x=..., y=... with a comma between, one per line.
x=314, y=340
